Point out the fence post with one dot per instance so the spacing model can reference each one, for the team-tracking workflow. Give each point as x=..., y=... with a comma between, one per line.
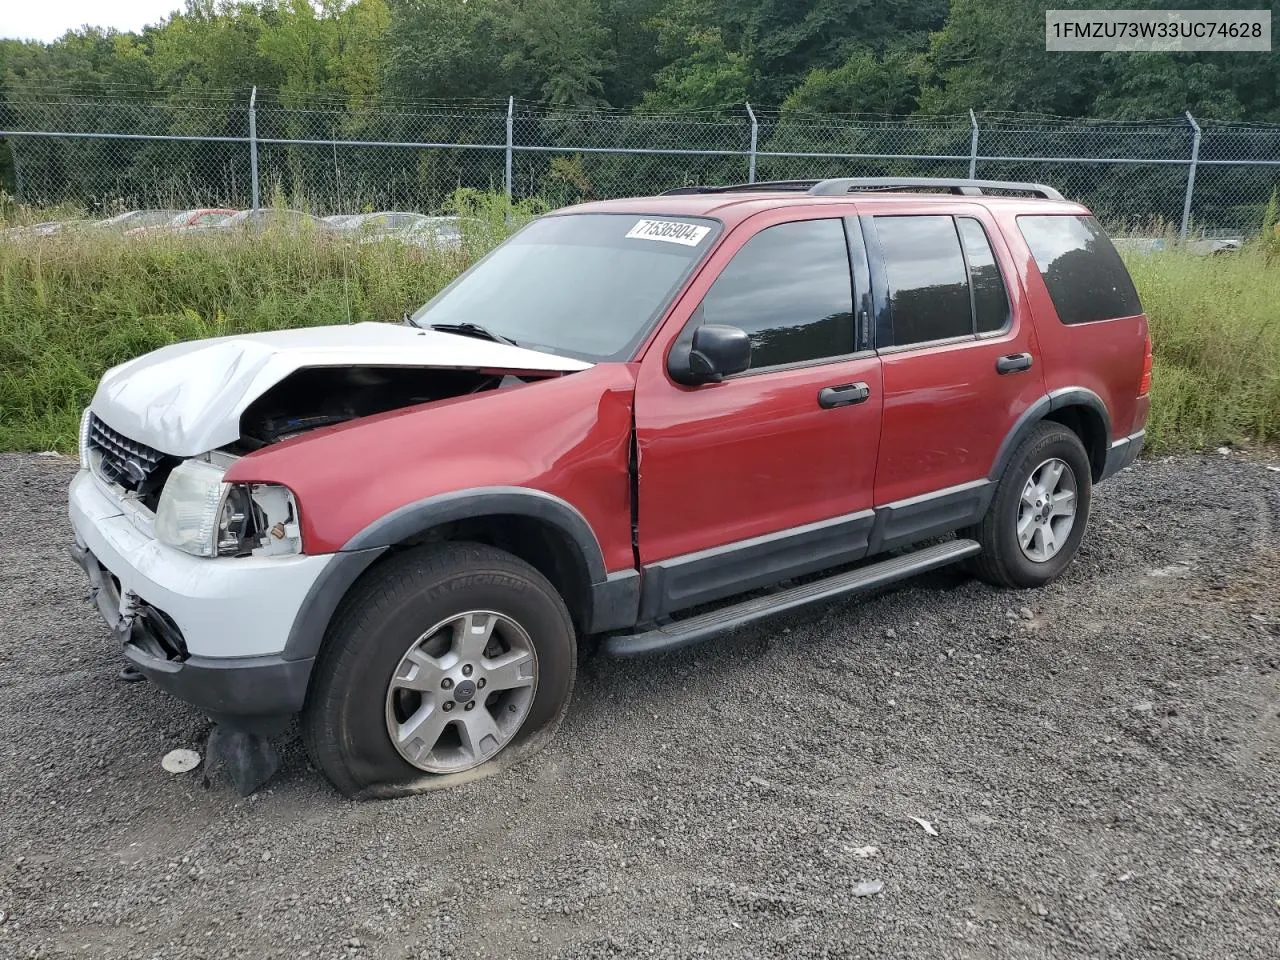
x=1191, y=176
x=511, y=103
x=253, y=145
x=973, y=145
x=755, y=133
x=17, y=169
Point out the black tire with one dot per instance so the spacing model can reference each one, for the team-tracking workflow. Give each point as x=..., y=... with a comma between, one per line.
x=1002, y=561
x=343, y=722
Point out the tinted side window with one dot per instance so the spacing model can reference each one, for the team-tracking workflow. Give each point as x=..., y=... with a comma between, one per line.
x=928, y=291
x=789, y=288
x=990, y=300
x=1085, y=276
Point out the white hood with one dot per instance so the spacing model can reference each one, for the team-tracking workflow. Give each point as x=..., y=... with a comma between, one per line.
x=187, y=399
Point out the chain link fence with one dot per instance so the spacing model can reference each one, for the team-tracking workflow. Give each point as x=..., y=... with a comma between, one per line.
x=1140, y=177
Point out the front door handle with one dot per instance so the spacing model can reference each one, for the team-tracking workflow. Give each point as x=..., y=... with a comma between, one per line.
x=843, y=395
x=1013, y=363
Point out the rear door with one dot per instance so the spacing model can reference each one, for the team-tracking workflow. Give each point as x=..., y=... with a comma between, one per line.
x=768, y=473
x=959, y=359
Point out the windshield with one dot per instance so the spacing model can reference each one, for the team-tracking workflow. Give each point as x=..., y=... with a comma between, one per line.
x=585, y=285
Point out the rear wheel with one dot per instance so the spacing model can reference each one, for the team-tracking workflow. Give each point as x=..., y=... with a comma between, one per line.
x=1040, y=511
x=445, y=663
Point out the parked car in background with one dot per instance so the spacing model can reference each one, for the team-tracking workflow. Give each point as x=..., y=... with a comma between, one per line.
x=444, y=233
x=134, y=219
x=382, y=221
x=44, y=229
x=199, y=217
x=1198, y=245
x=270, y=218
x=405, y=226
x=613, y=430
x=438, y=232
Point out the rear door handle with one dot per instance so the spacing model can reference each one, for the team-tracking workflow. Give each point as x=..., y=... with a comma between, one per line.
x=843, y=395
x=1013, y=363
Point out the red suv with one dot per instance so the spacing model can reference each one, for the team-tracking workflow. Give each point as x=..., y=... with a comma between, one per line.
x=618, y=422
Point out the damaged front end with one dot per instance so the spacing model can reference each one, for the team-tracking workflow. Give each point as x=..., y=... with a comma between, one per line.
x=200, y=579
x=185, y=500
x=324, y=396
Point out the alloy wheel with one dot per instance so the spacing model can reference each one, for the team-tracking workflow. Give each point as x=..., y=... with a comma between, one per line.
x=1047, y=510
x=461, y=691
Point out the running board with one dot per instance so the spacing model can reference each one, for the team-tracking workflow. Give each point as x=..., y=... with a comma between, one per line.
x=683, y=633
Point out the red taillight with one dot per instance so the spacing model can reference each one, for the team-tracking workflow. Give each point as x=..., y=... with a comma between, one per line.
x=1144, y=385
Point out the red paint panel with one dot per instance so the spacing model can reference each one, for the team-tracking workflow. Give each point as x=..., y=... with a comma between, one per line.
x=568, y=436
x=751, y=455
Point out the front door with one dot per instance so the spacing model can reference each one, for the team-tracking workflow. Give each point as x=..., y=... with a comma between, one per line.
x=769, y=473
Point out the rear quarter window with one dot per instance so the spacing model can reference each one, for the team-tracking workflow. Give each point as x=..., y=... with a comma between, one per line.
x=1086, y=278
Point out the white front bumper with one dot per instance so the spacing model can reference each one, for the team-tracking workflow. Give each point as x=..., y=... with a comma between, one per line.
x=224, y=606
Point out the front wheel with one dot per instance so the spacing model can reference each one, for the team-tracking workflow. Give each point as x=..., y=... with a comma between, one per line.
x=1038, y=516
x=445, y=662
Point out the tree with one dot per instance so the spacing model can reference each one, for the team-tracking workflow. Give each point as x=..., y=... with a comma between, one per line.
x=864, y=83
x=990, y=55
x=703, y=69
x=788, y=39
x=557, y=49
x=356, y=64
x=708, y=77
x=443, y=48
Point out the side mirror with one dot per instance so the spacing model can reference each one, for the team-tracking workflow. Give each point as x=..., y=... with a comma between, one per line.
x=715, y=352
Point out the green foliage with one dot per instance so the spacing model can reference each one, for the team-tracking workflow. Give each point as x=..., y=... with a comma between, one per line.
x=864, y=83
x=442, y=48
x=559, y=46
x=990, y=55
x=1216, y=330
x=707, y=77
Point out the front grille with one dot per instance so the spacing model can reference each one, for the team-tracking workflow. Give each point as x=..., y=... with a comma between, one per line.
x=133, y=465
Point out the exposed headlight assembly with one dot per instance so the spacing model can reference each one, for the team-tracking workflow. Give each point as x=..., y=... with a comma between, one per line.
x=202, y=514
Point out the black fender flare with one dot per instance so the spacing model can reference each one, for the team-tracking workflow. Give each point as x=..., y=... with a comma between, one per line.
x=360, y=552
x=1057, y=400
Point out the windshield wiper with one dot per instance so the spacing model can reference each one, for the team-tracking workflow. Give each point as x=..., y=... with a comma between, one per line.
x=473, y=330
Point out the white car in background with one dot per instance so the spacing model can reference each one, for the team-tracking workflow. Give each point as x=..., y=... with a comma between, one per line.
x=406, y=227
x=134, y=219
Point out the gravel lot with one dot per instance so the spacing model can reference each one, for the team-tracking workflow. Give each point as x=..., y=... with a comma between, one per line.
x=1100, y=759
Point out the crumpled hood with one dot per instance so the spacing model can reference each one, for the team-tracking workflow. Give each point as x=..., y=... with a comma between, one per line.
x=187, y=398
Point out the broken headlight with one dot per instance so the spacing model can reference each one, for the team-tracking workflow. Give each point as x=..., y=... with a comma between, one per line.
x=205, y=516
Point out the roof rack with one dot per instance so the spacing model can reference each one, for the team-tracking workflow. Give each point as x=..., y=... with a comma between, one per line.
x=968, y=188
x=799, y=186
x=841, y=185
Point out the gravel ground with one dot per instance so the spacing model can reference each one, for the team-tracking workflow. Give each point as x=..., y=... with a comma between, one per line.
x=1100, y=760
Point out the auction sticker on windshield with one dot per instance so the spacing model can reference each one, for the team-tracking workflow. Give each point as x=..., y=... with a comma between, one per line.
x=669, y=231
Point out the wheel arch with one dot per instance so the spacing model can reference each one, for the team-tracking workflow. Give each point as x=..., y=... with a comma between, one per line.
x=1078, y=409
x=545, y=531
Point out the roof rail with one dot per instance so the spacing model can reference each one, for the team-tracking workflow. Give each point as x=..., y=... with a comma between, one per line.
x=762, y=185
x=969, y=188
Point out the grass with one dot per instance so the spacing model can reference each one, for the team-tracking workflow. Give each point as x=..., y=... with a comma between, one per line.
x=1215, y=321
x=72, y=306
